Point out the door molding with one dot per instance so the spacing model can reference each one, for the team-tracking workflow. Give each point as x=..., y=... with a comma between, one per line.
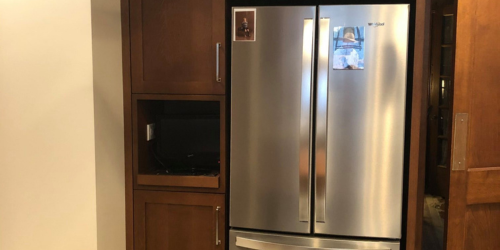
x=483, y=185
x=421, y=71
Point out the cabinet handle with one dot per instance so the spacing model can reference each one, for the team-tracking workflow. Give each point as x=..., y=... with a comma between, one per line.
x=217, y=62
x=217, y=241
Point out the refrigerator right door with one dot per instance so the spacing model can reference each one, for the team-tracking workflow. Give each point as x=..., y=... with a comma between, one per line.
x=361, y=97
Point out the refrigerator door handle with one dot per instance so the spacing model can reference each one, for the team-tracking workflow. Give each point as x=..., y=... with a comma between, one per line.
x=305, y=120
x=263, y=245
x=322, y=118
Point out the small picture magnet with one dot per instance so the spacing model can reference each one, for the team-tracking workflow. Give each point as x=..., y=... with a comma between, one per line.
x=244, y=25
x=349, y=48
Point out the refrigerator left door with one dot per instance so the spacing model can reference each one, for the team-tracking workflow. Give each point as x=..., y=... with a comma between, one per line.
x=272, y=65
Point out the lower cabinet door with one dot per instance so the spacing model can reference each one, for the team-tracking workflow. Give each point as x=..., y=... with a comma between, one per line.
x=178, y=221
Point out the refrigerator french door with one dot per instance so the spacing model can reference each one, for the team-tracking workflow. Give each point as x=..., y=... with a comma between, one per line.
x=341, y=93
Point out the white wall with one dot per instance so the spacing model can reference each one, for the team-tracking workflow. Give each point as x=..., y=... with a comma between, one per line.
x=109, y=130
x=47, y=154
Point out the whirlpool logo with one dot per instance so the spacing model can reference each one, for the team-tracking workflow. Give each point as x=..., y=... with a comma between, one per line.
x=377, y=24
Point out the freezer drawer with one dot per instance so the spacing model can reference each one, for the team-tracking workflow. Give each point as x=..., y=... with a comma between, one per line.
x=270, y=120
x=361, y=98
x=241, y=240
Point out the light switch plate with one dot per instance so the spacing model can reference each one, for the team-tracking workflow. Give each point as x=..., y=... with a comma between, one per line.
x=150, y=131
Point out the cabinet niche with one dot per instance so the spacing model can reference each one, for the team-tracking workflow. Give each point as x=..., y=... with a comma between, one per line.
x=178, y=140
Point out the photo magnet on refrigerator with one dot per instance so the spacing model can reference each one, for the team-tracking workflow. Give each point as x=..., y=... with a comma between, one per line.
x=244, y=25
x=349, y=48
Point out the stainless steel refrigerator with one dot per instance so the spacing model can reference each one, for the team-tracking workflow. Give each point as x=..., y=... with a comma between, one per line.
x=317, y=127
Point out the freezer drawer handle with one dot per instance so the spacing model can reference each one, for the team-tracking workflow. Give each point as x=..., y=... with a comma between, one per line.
x=217, y=241
x=217, y=62
x=262, y=245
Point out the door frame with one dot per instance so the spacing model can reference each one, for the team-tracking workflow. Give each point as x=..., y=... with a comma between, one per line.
x=418, y=133
x=127, y=117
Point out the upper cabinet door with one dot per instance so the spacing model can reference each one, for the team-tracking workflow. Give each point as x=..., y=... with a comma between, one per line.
x=178, y=46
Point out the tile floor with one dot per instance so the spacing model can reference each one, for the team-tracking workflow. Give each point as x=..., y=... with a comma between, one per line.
x=433, y=226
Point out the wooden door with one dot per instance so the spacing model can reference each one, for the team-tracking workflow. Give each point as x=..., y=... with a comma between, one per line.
x=440, y=89
x=174, y=45
x=474, y=203
x=178, y=221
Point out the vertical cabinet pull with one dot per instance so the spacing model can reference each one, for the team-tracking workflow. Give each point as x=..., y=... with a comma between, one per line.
x=217, y=241
x=217, y=62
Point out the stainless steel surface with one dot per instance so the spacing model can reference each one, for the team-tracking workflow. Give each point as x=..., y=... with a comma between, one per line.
x=270, y=92
x=217, y=62
x=365, y=126
x=263, y=245
x=305, y=121
x=321, y=118
x=241, y=240
x=217, y=241
x=461, y=128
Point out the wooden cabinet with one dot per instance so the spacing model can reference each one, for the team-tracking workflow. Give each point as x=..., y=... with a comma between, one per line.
x=174, y=51
x=174, y=45
x=176, y=220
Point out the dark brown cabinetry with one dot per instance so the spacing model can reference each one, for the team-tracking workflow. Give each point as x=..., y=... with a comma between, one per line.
x=178, y=46
x=174, y=82
x=174, y=221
